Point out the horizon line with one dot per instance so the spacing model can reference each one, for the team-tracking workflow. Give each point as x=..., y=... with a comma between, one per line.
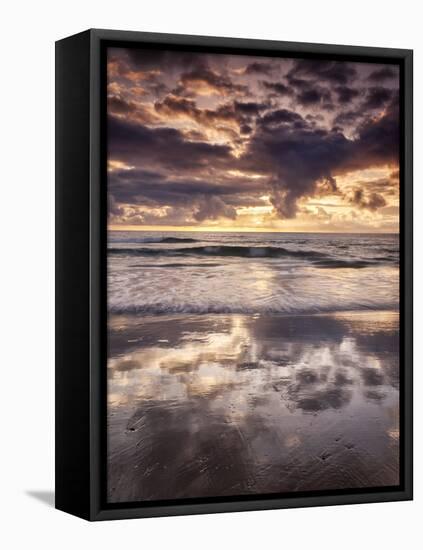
x=151, y=229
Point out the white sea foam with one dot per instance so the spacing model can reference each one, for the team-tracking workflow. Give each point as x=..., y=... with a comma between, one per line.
x=257, y=273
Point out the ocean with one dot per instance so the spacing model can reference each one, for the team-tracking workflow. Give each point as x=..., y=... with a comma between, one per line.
x=176, y=272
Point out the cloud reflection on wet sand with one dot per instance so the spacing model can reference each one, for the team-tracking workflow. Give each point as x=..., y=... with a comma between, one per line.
x=223, y=405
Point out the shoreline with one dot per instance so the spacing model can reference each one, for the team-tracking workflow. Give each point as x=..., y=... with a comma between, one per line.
x=152, y=315
x=230, y=404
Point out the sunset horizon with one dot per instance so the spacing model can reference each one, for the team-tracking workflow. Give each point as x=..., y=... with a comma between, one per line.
x=206, y=229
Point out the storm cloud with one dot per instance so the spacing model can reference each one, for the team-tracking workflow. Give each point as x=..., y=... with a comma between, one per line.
x=197, y=138
x=165, y=147
x=299, y=157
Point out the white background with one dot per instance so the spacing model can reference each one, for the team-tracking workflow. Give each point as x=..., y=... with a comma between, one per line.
x=28, y=32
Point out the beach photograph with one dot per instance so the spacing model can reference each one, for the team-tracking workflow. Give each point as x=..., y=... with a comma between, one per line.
x=252, y=275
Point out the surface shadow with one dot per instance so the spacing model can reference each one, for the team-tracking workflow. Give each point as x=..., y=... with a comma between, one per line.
x=46, y=497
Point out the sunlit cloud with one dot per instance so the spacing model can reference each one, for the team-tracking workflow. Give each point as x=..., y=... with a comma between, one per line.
x=200, y=141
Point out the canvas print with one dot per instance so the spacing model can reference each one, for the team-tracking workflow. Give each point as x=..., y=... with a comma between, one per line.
x=253, y=275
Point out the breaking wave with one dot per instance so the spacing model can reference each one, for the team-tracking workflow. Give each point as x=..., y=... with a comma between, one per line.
x=277, y=307
x=155, y=240
x=288, y=274
x=319, y=259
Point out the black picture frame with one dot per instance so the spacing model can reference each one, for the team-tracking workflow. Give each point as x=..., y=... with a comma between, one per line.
x=81, y=306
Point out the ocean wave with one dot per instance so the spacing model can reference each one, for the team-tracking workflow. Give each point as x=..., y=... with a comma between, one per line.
x=351, y=264
x=175, y=265
x=221, y=250
x=154, y=240
x=318, y=259
x=269, y=309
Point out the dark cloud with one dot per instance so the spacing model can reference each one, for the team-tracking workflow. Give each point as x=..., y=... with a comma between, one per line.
x=379, y=75
x=149, y=182
x=326, y=186
x=213, y=208
x=347, y=118
x=298, y=158
x=157, y=89
x=337, y=72
x=346, y=94
x=113, y=207
x=220, y=83
x=278, y=88
x=313, y=96
x=281, y=116
x=315, y=81
x=197, y=200
x=314, y=118
x=384, y=186
x=259, y=68
x=378, y=141
x=377, y=97
x=308, y=92
x=147, y=188
x=163, y=146
x=177, y=105
x=118, y=106
x=245, y=129
x=240, y=113
x=371, y=202
x=249, y=107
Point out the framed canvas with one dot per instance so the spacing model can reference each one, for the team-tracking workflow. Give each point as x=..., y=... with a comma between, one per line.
x=233, y=274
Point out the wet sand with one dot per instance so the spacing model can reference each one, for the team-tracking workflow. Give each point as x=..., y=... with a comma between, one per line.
x=219, y=405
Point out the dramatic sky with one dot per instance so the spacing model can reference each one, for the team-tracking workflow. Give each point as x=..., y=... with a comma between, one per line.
x=227, y=142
